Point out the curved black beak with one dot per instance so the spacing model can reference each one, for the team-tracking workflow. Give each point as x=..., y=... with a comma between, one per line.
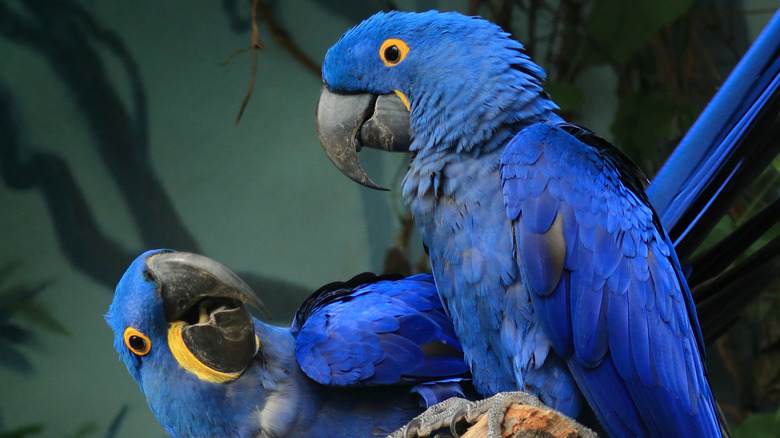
x=185, y=278
x=208, y=303
x=348, y=122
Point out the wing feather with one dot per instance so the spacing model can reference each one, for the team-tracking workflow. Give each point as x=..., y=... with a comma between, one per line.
x=631, y=340
x=376, y=331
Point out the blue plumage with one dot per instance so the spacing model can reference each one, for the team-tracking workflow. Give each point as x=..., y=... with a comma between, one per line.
x=208, y=368
x=372, y=331
x=545, y=248
x=641, y=322
x=453, y=184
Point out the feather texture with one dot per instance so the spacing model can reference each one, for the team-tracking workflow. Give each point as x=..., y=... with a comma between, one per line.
x=636, y=331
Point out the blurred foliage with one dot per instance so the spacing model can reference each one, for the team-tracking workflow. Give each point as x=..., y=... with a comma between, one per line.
x=24, y=431
x=764, y=425
x=624, y=27
x=88, y=429
x=85, y=430
x=666, y=63
x=20, y=314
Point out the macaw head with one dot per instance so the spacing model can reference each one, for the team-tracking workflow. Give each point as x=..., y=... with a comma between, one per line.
x=183, y=329
x=427, y=82
x=186, y=306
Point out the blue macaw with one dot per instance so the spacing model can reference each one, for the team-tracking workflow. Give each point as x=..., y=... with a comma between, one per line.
x=547, y=252
x=359, y=358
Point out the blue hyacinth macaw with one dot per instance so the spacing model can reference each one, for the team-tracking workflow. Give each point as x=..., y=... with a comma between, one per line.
x=357, y=361
x=547, y=252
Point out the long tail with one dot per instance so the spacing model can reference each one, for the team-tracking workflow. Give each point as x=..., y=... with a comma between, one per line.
x=699, y=179
x=733, y=141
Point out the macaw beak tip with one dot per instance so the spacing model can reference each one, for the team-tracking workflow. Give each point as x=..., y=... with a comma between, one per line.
x=348, y=122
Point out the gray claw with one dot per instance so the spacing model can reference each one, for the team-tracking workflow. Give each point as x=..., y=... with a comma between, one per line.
x=436, y=417
x=411, y=429
x=459, y=414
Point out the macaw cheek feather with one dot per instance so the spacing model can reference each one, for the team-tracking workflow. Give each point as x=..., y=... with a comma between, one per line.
x=209, y=354
x=348, y=122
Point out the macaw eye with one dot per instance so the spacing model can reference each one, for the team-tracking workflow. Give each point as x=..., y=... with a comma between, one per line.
x=393, y=51
x=137, y=342
x=393, y=54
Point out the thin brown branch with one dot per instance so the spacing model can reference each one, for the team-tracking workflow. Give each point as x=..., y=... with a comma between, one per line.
x=664, y=58
x=566, y=62
x=255, y=46
x=473, y=8
x=260, y=9
x=233, y=55
x=532, y=17
x=283, y=38
x=397, y=257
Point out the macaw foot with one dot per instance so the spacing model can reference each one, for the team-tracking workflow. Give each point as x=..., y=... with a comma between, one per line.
x=437, y=417
x=507, y=414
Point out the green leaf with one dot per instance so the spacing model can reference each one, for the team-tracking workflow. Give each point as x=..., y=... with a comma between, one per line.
x=86, y=429
x=18, y=302
x=776, y=164
x=116, y=423
x=6, y=271
x=24, y=431
x=19, y=299
x=567, y=95
x=763, y=425
x=12, y=358
x=39, y=315
x=625, y=26
x=642, y=123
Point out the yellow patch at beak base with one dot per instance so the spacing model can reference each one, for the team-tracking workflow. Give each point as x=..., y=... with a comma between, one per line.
x=404, y=99
x=189, y=362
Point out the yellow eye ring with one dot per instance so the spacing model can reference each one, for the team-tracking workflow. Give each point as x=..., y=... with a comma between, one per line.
x=393, y=51
x=137, y=342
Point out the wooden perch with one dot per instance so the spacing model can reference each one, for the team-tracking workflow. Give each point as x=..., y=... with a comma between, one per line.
x=516, y=414
x=524, y=421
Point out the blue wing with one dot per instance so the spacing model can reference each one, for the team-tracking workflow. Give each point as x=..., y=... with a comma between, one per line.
x=377, y=330
x=605, y=282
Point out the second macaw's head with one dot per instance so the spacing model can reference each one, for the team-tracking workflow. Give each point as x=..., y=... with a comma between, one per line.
x=186, y=310
x=429, y=83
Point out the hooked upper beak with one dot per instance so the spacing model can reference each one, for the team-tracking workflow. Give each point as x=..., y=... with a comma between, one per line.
x=185, y=278
x=348, y=122
x=209, y=304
